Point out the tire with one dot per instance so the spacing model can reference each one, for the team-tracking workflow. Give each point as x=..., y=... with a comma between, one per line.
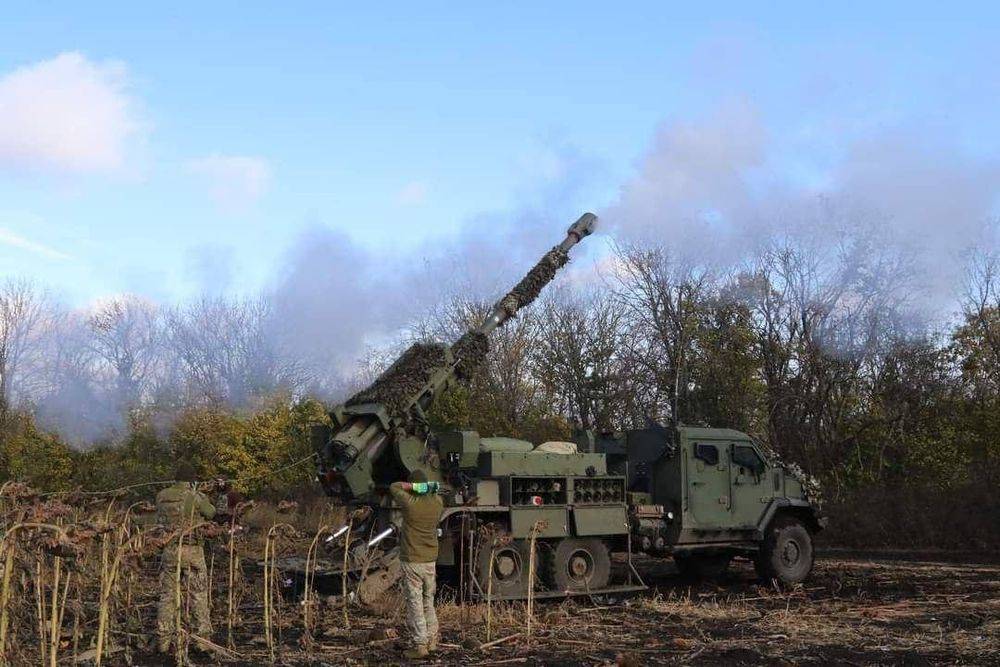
x=577, y=564
x=702, y=566
x=510, y=570
x=786, y=555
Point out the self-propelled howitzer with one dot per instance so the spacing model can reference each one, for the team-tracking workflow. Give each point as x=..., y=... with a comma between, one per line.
x=391, y=413
x=699, y=495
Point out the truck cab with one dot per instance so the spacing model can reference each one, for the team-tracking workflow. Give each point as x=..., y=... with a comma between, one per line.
x=705, y=495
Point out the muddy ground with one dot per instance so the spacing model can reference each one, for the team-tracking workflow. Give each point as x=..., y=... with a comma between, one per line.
x=855, y=610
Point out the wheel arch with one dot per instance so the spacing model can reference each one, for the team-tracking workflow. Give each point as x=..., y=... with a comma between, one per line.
x=797, y=509
x=451, y=538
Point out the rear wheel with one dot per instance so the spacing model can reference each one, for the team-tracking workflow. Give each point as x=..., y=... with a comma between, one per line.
x=509, y=570
x=786, y=554
x=578, y=565
x=702, y=566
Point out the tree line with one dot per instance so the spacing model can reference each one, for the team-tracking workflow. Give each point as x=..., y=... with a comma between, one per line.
x=831, y=355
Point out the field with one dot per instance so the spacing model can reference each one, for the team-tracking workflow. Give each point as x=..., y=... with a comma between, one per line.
x=79, y=583
x=853, y=611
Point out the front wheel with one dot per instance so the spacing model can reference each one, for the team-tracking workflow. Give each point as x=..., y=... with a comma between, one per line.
x=786, y=555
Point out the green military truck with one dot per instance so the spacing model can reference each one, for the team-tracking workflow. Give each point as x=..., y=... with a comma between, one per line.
x=705, y=495
x=700, y=495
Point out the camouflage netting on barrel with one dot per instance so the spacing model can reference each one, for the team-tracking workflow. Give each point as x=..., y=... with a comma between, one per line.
x=470, y=351
x=399, y=384
x=531, y=285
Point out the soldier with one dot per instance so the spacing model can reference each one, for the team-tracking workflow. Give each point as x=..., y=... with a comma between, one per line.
x=421, y=508
x=181, y=507
x=226, y=501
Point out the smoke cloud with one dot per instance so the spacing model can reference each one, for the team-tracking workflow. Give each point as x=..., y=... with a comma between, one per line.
x=714, y=191
x=336, y=301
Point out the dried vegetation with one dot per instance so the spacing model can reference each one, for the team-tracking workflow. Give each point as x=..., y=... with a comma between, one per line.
x=78, y=586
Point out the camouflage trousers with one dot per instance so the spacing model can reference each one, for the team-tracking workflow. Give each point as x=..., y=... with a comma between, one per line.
x=194, y=587
x=419, y=585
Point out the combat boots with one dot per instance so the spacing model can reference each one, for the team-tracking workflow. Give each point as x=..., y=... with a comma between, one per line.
x=417, y=652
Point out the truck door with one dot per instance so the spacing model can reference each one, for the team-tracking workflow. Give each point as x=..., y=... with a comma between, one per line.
x=708, y=499
x=750, y=491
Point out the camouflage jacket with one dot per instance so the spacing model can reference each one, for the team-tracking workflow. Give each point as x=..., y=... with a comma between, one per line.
x=181, y=506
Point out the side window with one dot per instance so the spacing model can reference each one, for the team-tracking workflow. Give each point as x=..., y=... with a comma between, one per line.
x=707, y=453
x=746, y=457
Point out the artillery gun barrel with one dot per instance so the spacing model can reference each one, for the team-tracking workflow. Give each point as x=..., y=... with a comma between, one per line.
x=542, y=274
x=393, y=408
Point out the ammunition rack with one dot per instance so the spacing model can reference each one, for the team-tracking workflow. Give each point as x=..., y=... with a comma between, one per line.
x=565, y=490
x=552, y=490
x=587, y=490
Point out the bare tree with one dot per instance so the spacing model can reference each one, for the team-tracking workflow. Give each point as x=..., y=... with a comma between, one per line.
x=22, y=317
x=448, y=318
x=71, y=397
x=127, y=335
x=823, y=313
x=227, y=352
x=579, y=363
x=660, y=295
x=981, y=300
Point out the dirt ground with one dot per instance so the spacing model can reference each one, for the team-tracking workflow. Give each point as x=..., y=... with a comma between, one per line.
x=853, y=611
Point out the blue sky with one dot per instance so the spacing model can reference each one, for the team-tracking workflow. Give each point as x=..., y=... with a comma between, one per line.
x=211, y=135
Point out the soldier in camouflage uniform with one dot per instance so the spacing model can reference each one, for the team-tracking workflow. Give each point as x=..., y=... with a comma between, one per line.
x=180, y=507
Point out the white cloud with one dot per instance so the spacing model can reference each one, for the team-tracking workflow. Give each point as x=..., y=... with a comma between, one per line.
x=9, y=238
x=234, y=181
x=412, y=194
x=66, y=114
